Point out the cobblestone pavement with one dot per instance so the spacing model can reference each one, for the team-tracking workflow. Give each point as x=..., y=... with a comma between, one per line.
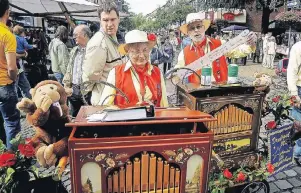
x=285, y=182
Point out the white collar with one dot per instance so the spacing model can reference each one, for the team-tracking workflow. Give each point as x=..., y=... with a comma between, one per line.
x=207, y=43
x=129, y=64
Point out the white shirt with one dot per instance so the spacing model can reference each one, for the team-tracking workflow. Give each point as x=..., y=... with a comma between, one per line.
x=293, y=69
x=271, y=46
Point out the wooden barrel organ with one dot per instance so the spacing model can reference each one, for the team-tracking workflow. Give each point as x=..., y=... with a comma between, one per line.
x=166, y=154
x=148, y=173
x=238, y=114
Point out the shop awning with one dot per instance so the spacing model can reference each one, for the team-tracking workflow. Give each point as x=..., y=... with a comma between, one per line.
x=78, y=9
x=233, y=28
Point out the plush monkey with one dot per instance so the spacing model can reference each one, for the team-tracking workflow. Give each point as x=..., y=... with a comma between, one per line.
x=48, y=113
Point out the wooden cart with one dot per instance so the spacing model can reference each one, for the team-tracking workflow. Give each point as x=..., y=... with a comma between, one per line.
x=167, y=153
x=236, y=131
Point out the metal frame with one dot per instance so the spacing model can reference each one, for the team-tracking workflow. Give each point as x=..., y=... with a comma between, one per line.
x=84, y=85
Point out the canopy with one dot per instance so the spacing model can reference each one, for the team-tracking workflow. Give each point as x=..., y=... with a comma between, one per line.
x=78, y=9
x=234, y=27
x=79, y=2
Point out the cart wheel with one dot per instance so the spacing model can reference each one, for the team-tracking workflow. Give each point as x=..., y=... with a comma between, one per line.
x=257, y=187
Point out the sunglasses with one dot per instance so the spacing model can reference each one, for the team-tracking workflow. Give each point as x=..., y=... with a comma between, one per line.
x=193, y=28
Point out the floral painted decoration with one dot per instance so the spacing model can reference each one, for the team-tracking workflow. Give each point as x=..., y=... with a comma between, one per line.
x=107, y=160
x=181, y=155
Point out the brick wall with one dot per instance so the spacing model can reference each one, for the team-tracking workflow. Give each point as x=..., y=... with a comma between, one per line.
x=254, y=17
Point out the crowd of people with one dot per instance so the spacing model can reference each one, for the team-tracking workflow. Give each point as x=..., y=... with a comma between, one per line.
x=132, y=67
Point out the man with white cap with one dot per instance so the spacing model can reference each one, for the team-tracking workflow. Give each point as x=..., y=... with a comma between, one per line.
x=195, y=27
x=140, y=81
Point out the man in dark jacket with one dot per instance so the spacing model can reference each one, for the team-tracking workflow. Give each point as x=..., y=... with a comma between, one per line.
x=259, y=49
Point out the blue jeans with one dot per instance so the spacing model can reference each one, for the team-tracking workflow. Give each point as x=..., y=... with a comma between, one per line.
x=10, y=114
x=296, y=114
x=23, y=84
x=59, y=77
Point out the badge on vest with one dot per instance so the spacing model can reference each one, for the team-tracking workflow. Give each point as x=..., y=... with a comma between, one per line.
x=159, y=90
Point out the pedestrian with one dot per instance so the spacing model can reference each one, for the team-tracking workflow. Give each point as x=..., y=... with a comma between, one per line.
x=258, y=52
x=59, y=53
x=73, y=76
x=8, y=75
x=186, y=41
x=156, y=56
x=22, y=82
x=271, y=52
x=195, y=27
x=294, y=87
x=265, y=50
x=168, y=54
x=141, y=82
x=102, y=51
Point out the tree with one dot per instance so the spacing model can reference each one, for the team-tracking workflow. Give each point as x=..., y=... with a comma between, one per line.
x=127, y=24
x=179, y=11
x=268, y=6
x=87, y=187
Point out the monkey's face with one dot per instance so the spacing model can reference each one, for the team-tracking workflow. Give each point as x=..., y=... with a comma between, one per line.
x=49, y=89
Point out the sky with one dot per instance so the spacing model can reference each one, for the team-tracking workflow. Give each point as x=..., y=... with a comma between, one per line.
x=144, y=6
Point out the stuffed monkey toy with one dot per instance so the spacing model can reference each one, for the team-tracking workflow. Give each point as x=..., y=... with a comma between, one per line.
x=48, y=113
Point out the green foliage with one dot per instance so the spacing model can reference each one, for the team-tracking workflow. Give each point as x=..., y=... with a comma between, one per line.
x=218, y=182
x=2, y=147
x=163, y=17
x=214, y=4
x=16, y=141
x=16, y=162
x=280, y=106
x=127, y=23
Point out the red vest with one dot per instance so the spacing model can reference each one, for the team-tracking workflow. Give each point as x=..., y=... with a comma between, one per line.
x=219, y=66
x=124, y=81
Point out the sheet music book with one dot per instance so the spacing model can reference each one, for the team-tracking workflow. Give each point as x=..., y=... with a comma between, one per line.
x=118, y=115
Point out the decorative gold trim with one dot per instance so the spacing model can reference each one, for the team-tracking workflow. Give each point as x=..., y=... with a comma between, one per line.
x=106, y=160
x=208, y=108
x=182, y=154
x=252, y=103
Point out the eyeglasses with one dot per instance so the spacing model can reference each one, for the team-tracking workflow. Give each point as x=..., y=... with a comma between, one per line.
x=145, y=52
x=193, y=28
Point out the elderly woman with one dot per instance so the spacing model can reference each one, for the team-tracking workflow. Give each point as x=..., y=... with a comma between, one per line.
x=140, y=81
